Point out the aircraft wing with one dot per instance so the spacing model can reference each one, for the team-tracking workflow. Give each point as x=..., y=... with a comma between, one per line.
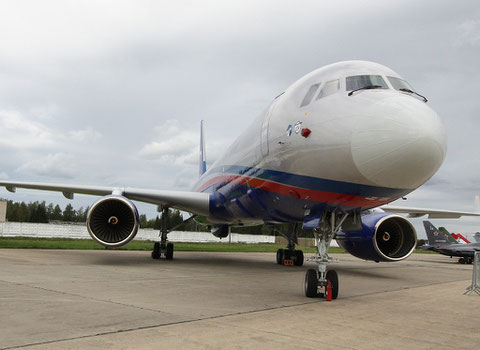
x=432, y=213
x=194, y=202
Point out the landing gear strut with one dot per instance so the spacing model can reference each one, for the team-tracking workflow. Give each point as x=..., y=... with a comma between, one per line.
x=163, y=247
x=323, y=282
x=290, y=254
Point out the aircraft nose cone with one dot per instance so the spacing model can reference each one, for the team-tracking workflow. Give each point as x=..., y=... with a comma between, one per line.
x=398, y=143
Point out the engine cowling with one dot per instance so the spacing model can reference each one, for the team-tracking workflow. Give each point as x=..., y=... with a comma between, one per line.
x=383, y=237
x=113, y=221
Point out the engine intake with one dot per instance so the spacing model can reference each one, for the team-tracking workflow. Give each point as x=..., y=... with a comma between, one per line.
x=384, y=237
x=112, y=221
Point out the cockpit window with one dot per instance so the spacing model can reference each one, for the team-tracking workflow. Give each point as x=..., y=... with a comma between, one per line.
x=310, y=93
x=329, y=88
x=360, y=81
x=399, y=84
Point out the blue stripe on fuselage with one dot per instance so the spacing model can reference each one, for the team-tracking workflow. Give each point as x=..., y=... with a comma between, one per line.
x=307, y=182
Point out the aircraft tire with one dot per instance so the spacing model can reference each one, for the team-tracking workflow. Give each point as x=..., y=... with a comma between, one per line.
x=299, y=258
x=461, y=261
x=333, y=278
x=169, y=252
x=311, y=284
x=156, y=251
x=280, y=256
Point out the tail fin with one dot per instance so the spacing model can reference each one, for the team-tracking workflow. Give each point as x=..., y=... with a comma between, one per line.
x=203, y=157
x=443, y=231
x=434, y=237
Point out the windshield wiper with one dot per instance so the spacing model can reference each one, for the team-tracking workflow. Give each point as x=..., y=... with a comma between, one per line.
x=413, y=92
x=366, y=87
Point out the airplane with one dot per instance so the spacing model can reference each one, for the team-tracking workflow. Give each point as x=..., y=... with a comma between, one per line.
x=476, y=237
x=443, y=243
x=458, y=237
x=329, y=153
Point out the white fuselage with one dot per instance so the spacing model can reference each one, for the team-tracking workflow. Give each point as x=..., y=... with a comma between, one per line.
x=364, y=149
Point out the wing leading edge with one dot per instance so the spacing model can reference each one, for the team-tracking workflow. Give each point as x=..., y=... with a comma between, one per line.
x=194, y=202
x=432, y=213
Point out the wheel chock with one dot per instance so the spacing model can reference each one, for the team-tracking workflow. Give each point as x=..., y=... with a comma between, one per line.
x=288, y=262
x=328, y=291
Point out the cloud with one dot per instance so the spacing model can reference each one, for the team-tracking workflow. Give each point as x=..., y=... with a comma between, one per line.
x=58, y=165
x=3, y=175
x=176, y=145
x=19, y=131
x=85, y=135
x=468, y=33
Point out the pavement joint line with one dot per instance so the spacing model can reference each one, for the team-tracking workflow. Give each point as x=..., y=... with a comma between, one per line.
x=283, y=335
x=87, y=298
x=210, y=318
x=161, y=325
x=401, y=289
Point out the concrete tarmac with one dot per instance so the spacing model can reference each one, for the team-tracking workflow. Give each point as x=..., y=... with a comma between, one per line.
x=125, y=300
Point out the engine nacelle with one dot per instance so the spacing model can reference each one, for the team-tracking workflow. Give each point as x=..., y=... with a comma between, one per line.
x=383, y=237
x=113, y=221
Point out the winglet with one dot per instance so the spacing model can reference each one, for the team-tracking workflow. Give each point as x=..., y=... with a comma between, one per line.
x=203, y=158
x=476, y=204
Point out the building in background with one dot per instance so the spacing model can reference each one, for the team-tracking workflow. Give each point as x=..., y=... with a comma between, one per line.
x=3, y=210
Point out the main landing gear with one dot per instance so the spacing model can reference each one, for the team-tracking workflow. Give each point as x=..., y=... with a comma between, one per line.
x=163, y=247
x=290, y=256
x=321, y=282
x=465, y=260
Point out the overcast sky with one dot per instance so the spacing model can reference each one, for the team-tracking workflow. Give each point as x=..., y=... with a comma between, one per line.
x=112, y=92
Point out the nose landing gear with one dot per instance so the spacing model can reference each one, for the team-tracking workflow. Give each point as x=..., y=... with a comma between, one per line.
x=322, y=282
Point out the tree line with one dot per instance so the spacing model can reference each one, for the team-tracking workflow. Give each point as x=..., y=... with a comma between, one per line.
x=43, y=213
x=40, y=212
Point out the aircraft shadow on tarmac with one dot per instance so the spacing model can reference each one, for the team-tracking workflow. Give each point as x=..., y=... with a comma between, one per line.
x=234, y=261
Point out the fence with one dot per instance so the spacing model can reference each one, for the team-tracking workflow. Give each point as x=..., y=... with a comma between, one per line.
x=23, y=229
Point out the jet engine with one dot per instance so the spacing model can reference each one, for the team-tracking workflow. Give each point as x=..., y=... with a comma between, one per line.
x=113, y=221
x=383, y=237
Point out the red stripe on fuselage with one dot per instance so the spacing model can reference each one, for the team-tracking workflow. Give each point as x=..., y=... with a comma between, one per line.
x=298, y=192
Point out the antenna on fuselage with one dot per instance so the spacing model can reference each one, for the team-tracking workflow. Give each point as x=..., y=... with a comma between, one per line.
x=203, y=157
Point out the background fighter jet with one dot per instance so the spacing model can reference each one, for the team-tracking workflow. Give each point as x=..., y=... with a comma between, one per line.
x=444, y=243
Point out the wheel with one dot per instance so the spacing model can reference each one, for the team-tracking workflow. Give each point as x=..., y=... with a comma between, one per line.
x=311, y=284
x=461, y=261
x=469, y=261
x=287, y=254
x=298, y=258
x=156, y=251
x=169, y=252
x=280, y=256
x=333, y=278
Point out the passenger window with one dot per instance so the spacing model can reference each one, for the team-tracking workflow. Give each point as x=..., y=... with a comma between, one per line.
x=310, y=93
x=360, y=81
x=329, y=88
